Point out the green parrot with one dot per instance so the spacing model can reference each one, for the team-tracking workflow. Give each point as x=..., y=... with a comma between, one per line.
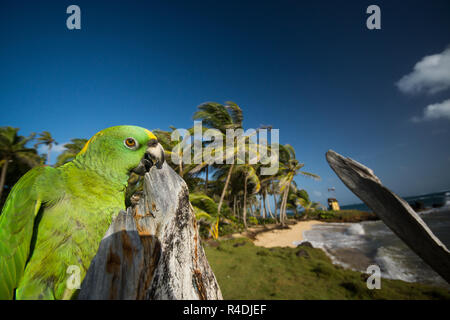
x=55, y=218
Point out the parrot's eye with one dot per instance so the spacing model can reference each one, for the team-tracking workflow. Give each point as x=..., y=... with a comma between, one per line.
x=131, y=143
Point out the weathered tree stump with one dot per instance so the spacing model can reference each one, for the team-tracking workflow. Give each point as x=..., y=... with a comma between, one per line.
x=395, y=212
x=153, y=251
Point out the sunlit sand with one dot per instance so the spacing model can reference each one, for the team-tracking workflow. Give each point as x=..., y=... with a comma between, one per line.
x=284, y=237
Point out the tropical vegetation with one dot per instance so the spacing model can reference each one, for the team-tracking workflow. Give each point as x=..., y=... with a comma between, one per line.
x=227, y=195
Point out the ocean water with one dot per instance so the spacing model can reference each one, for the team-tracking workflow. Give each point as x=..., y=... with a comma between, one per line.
x=358, y=245
x=428, y=200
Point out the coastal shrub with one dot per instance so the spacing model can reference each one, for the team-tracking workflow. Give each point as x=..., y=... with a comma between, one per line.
x=302, y=253
x=323, y=270
x=267, y=221
x=226, y=229
x=252, y=220
x=327, y=215
x=342, y=215
x=238, y=244
x=353, y=288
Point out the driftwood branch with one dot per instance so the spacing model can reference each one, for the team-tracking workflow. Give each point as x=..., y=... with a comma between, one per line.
x=394, y=211
x=153, y=250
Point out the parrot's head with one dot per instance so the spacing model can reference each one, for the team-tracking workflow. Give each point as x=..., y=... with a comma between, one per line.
x=124, y=149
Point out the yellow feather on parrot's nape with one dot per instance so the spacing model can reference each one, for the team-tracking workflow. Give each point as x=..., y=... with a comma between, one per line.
x=89, y=141
x=85, y=147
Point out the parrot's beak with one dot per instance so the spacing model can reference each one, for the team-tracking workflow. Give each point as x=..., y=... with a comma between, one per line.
x=154, y=156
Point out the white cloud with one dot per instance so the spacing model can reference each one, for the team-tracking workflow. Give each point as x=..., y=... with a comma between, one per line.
x=431, y=75
x=435, y=111
x=56, y=149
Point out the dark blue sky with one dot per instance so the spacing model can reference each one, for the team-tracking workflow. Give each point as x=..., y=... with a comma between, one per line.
x=311, y=69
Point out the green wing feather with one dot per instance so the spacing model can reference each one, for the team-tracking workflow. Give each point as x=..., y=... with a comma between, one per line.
x=16, y=227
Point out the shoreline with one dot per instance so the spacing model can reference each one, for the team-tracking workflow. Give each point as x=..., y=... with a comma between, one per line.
x=348, y=258
x=284, y=237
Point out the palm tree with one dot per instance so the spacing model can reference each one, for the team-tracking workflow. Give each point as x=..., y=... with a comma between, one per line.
x=304, y=201
x=13, y=149
x=220, y=117
x=205, y=210
x=71, y=150
x=292, y=199
x=289, y=168
x=46, y=138
x=266, y=188
x=273, y=189
x=250, y=176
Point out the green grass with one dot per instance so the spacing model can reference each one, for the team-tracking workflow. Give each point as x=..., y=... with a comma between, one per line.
x=245, y=271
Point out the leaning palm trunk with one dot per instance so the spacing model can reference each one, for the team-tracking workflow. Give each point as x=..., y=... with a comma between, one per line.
x=244, y=216
x=282, y=209
x=238, y=208
x=270, y=210
x=305, y=214
x=258, y=208
x=264, y=205
x=275, y=205
x=283, y=206
x=225, y=189
x=3, y=176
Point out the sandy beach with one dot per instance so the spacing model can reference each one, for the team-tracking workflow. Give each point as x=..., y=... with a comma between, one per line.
x=284, y=237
